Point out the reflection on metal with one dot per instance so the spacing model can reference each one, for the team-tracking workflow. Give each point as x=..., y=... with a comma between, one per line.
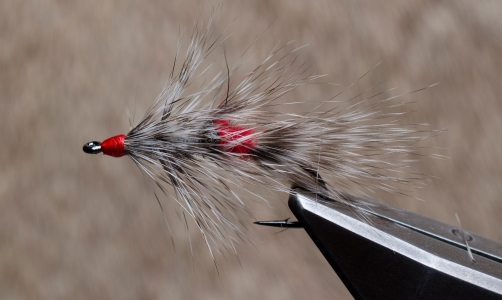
x=388, y=253
x=280, y=223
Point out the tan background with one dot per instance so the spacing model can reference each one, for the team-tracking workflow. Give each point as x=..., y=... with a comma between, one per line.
x=74, y=226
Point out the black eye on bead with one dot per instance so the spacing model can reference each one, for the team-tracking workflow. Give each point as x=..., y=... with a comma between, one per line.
x=92, y=148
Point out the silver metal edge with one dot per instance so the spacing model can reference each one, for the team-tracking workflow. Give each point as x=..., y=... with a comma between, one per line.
x=395, y=244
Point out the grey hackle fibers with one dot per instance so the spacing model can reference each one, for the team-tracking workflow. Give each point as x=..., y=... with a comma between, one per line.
x=215, y=138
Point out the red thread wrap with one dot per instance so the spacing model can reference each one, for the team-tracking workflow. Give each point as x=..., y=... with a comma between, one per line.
x=114, y=146
x=235, y=139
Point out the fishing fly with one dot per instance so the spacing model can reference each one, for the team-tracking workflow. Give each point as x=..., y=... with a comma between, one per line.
x=210, y=142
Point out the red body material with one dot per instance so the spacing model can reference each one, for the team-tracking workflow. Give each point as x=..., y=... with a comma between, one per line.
x=114, y=146
x=235, y=139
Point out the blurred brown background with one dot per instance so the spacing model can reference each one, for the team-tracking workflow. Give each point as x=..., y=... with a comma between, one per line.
x=74, y=226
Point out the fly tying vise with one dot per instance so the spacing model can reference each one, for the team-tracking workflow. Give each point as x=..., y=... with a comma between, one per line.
x=211, y=143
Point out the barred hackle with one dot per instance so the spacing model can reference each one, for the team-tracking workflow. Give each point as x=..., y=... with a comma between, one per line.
x=358, y=148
